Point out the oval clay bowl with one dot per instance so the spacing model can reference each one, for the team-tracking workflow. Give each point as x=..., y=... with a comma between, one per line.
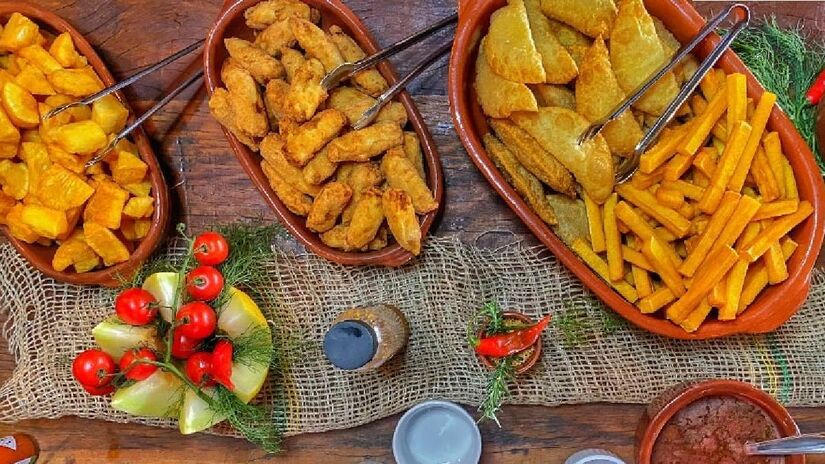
x=230, y=23
x=40, y=256
x=534, y=356
x=774, y=306
x=659, y=413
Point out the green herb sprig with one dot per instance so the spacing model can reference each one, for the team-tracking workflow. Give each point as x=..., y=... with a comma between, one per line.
x=497, y=389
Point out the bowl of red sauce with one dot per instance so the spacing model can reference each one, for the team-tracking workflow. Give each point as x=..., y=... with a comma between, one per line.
x=709, y=422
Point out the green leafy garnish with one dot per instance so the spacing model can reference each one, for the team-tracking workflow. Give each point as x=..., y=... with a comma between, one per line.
x=259, y=424
x=491, y=317
x=497, y=389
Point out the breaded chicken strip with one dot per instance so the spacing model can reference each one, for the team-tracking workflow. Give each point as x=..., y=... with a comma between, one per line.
x=303, y=142
x=221, y=108
x=245, y=98
x=366, y=219
x=269, y=12
x=354, y=103
x=293, y=199
x=361, y=177
x=401, y=218
x=305, y=91
x=320, y=168
x=275, y=37
x=370, y=81
x=260, y=65
x=317, y=45
x=292, y=60
x=402, y=175
x=361, y=145
x=274, y=97
x=412, y=147
x=272, y=150
x=328, y=205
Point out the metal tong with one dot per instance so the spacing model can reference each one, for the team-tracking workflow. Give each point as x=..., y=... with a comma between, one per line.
x=629, y=165
x=799, y=444
x=346, y=70
x=125, y=83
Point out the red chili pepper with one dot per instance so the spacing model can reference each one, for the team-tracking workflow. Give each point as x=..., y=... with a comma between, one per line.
x=817, y=89
x=501, y=345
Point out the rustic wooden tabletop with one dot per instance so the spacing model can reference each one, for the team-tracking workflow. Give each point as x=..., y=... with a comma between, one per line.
x=130, y=34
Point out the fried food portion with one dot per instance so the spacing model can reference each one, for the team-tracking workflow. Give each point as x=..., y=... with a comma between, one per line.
x=220, y=106
x=366, y=219
x=268, y=12
x=305, y=91
x=412, y=148
x=554, y=95
x=361, y=145
x=245, y=99
x=400, y=213
x=319, y=169
x=361, y=177
x=273, y=152
x=292, y=60
x=369, y=81
x=559, y=66
x=636, y=53
x=590, y=17
x=328, y=205
x=274, y=97
x=574, y=41
x=557, y=131
x=308, y=139
x=402, y=175
x=533, y=157
x=275, y=37
x=257, y=62
x=354, y=103
x=526, y=184
x=509, y=46
x=598, y=93
x=498, y=97
x=316, y=43
x=292, y=198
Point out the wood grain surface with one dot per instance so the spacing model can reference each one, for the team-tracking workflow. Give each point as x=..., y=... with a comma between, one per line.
x=212, y=189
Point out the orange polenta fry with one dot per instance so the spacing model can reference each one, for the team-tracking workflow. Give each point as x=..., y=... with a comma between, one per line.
x=670, y=198
x=613, y=240
x=757, y=278
x=594, y=223
x=641, y=279
x=737, y=93
x=656, y=300
x=757, y=124
x=646, y=202
x=664, y=149
x=678, y=166
x=776, y=209
x=702, y=125
x=763, y=176
x=596, y=263
x=733, y=290
x=778, y=229
x=726, y=166
x=773, y=151
x=718, y=265
x=711, y=234
x=640, y=227
x=692, y=191
x=705, y=161
x=775, y=264
x=739, y=220
x=644, y=181
x=655, y=252
x=636, y=258
x=697, y=317
x=718, y=295
x=791, y=190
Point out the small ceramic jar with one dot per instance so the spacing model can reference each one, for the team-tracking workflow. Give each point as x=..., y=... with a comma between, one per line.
x=365, y=338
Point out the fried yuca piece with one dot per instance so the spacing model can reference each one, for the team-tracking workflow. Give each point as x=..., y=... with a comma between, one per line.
x=276, y=36
x=400, y=213
x=272, y=150
x=316, y=43
x=361, y=145
x=305, y=91
x=591, y=17
x=303, y=142
x=291, y=197
x=246, y=101
x=328, y=205
x=220, y=106
x=412, y=148
x=260, y=65
x=274, y=96
x=557, y=131
x=574, y=41
x=598, y=93
x=402, y=175
x=526, y=184
x=370, y=81
x=319, y=169
x=559, y=66
x=636, y=53
x=361, y=177
x=509, y=46
x=354, y=103
x=366, y=218
x=292, y=60
x=268, y=12
x=554, y=95
x=498, y=97
x=533, y=157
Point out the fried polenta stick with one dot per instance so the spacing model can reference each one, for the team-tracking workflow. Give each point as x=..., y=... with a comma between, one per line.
x=401, y=174
x=221, y=108
x=291, y=197
x=292, y=60
x=260, y=65
x=328, y=205
x=320, y=168
x=316, y=43
x=245, y=99
x=359, y=176
x=274, y=96
x=361, y=145
x=271, y=11
x=412, y=148
x=305, y=91
x=366, y=219
x=272, y=150
x=398, y=208
x=275, y=37
x=308, y=139
x=354, y=103
x=370, y=80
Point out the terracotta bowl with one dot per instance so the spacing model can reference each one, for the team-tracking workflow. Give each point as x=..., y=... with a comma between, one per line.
x=230, y=23
x=41, y=257
x=534, y=356
x=662, y=409
x=774, y=306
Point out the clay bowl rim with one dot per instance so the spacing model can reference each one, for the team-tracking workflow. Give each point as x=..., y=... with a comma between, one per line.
x=762, y=317
x=40, y=256
x=529, y=362
x=391, y=256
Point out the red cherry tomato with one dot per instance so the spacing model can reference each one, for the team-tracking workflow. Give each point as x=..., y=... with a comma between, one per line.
x=222, y=364
x=183, y=346
x=204, y=283
x=136, y=306
x=131, y=366
x=210, y=248
x=93, y=368
x=198, y=367
x=99, y=391
x=197, y=320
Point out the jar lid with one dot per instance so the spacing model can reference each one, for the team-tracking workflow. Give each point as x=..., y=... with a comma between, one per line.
x=594, y=456
x=350, y=344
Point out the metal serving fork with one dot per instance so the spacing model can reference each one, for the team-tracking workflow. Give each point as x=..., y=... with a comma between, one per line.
x=345, y=70
x=630, y=164
x=799, y=444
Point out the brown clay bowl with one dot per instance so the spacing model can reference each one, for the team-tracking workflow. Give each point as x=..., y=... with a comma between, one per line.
x=531, y=360
x=40, y=256
x=775, y=305
x=663, y=408
x=230, y=23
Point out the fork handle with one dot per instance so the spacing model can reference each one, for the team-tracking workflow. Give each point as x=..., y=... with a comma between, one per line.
x=799, y=444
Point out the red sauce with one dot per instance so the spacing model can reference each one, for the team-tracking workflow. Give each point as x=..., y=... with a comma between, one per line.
x=713, y=431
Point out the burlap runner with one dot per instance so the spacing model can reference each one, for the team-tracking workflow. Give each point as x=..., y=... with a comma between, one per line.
x=589, y=354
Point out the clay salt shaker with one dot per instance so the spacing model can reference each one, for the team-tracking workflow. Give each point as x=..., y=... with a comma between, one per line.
x=365, y=338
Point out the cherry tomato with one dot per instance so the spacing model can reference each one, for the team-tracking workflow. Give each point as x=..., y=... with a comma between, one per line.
x=93, y=368
x=99, y=391
x=136, y=306
x=197, y=320
x=222, y=364
x=131, y=366
x=183, y=346
x=204, y=283
x=198, y=367
x=210, y=248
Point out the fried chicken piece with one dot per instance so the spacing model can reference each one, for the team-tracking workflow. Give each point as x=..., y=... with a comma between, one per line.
x=366, y=219
x=305, y=91
x=268, y=12
x=361, y=177
x=260, y=65
x=337, y=238
x=274, y=96
x=275, y=37
x=308, y=139
x=291, y=197
x=361, y=145
x=354, y=103
x=328, y=205
x=272, y=150
x=292, y=60
x=370, y=81
x=245, y=98
x=317, y=45
x=400, y=213
x=221, y=108
x=402, y=175
x=380, y=240
x=320, y=168
x=412, y=148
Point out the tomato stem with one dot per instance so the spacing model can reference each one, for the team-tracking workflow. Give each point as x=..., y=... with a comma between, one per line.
x=167, y=356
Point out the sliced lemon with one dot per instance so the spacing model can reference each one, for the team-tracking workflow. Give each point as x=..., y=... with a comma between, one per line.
x=159, y=395
x=115, y=338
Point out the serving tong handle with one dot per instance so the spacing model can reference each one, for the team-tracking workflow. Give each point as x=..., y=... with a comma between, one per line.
x=628, y=167
x=800, y=444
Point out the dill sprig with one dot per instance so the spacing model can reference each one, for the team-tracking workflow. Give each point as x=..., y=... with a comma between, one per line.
x=497, y=389
x=257, y=423
x=254, y=348
x=786, y=63
x=249, y=249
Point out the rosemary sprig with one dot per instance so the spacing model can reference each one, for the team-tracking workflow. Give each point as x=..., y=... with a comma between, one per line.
x=497, y=389
x=492, y=318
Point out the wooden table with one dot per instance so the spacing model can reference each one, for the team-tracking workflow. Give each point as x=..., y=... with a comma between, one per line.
x=132, y=33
